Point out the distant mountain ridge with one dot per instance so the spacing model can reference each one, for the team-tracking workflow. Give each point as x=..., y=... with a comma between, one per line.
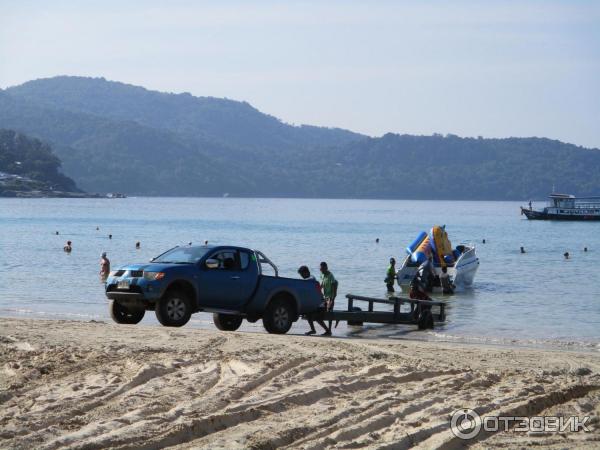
x=113, y=136
x=229, y=122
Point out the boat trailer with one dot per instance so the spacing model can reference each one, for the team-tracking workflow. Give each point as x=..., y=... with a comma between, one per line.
x=422, y=313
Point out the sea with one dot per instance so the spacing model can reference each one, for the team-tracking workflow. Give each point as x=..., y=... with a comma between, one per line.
x=536, y=298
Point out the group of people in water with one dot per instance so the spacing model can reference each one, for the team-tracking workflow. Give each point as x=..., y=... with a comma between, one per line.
x=424, y=280
x=104, y=261
x=421, y=285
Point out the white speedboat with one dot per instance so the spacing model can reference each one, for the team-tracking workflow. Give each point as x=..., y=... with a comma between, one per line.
x=461, y=262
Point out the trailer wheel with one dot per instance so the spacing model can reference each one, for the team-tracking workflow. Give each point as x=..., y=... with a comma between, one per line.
x=121, y=314
x=174, y=309
x=356, y=323
x=279, y=316
x=426, y=320
x=227, y=322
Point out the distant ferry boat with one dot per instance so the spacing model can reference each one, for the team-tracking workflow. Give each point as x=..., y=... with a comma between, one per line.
x=116, y=195
x=566, y=207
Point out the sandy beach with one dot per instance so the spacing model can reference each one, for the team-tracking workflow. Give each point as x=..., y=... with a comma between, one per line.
x=66, y=384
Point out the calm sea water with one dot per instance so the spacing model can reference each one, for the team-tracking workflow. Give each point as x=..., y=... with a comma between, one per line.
x=537, y=297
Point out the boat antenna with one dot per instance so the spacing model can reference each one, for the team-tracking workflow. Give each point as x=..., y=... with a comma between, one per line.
x=553, y=189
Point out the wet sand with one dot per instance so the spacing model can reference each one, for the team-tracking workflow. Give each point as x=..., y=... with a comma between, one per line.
x=67, y=384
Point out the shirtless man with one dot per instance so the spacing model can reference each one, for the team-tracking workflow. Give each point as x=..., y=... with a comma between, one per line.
x=104, y=267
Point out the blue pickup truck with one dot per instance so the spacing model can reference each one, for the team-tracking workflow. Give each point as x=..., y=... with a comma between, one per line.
x=224, y=280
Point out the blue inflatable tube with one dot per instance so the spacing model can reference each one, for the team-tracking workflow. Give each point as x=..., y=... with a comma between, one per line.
x=415, y=244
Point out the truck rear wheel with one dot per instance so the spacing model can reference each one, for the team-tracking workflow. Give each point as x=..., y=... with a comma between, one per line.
x=278, y=317
x=227, y=322
x=174, y=309
x=123, y=315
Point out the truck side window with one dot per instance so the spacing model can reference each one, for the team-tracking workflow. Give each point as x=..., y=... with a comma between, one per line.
x=227, y=259
x=244, y=260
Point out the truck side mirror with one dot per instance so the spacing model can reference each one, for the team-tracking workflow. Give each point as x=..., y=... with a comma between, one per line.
x=212, y=263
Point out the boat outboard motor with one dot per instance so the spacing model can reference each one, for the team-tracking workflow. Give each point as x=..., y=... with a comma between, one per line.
x=426, y=275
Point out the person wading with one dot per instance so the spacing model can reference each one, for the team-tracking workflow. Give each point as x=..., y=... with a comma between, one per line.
x=390, y=276
x=104, y=267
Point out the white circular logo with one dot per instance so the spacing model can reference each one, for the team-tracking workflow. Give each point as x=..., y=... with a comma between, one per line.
x=465, y=423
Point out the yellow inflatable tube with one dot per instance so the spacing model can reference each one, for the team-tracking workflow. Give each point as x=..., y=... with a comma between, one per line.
x=441, y=244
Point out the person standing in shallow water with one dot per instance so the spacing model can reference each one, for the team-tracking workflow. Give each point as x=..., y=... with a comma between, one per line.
x=390, y=276
x=104, y=267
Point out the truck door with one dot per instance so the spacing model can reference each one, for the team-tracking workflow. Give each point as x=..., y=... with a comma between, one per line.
x=230, y=284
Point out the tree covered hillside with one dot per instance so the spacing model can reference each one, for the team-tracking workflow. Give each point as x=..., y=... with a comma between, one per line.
x=228, y=122
x=118, y=137
x=451, y=167
x=105, y=155
x=27, y=164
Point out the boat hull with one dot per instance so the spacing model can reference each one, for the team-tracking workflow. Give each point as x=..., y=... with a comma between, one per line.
x=462, y=273
x=541, y=215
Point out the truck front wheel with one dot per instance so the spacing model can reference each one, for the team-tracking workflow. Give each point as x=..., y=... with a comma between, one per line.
x=174, y=309
x=123, y=315
x=278, y=317
x=227, y=322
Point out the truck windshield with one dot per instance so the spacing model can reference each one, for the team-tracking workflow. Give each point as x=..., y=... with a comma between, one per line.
x=182, y=255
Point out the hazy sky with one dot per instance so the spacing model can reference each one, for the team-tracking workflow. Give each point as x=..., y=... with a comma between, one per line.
x=490, y=68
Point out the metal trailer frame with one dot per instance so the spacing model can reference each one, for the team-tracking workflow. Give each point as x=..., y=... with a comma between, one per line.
x=356, y=316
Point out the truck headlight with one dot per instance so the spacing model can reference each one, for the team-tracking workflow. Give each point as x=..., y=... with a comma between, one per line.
x=151, y=276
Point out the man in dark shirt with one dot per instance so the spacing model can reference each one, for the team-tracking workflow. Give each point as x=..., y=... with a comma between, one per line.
x=305, y=274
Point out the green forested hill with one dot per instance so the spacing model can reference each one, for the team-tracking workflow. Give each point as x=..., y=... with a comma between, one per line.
x=105, y=155
x=451, y=167
x=222, y=121
x=117, y=137
x=27, y=164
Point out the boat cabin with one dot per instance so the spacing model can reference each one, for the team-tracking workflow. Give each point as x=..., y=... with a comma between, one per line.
x=569, y=204
x=562, y=201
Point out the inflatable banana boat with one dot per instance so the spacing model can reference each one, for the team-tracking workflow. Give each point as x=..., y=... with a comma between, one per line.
x=461, y=262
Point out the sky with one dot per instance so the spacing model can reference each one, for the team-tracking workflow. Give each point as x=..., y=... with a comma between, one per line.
x=470, y=68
